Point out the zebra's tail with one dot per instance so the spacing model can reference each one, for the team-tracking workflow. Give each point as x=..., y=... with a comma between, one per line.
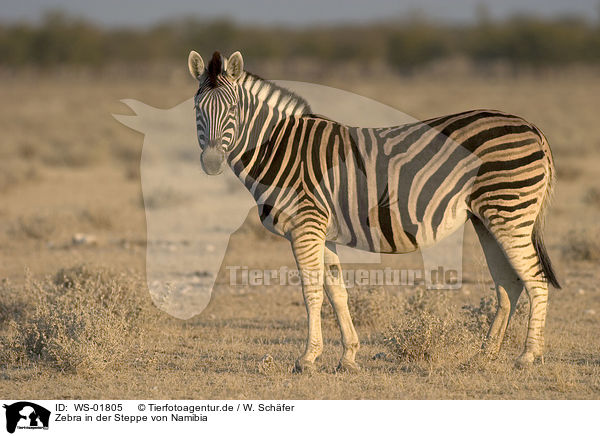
x=540, y=249
x=536, y=236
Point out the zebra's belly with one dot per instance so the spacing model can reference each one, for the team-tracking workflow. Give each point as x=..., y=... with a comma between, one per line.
x=366, y=233
x=382, y=230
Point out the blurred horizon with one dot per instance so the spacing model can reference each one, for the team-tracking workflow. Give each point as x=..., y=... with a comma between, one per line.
x=147, y=13
x=511, y=37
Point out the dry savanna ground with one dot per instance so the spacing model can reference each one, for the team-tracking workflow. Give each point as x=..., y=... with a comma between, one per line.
x=76, y=320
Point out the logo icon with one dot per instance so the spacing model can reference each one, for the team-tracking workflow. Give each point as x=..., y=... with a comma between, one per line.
x=26, y=415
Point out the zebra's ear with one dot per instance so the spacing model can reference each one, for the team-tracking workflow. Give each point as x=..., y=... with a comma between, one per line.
x=196, y=65
x=235, y=65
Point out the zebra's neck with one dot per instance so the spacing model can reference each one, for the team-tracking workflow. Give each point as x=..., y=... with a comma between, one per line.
x=263, y=105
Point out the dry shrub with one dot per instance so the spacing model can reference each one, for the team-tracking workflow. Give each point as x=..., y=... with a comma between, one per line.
x=12, y=304
x=582, y=245
x=372, y=307
x=268, y=365
x=429, y=330
x=80, y=321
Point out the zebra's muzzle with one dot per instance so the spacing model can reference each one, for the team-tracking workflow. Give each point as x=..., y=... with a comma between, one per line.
x=212, y=160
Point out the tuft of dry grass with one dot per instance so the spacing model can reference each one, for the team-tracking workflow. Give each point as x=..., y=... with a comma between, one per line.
x=428, y=331
x=581, y=246
x=372, y=307
x=432, y=330
x=80, y=321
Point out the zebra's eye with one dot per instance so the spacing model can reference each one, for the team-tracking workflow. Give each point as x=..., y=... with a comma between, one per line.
x=232, y=109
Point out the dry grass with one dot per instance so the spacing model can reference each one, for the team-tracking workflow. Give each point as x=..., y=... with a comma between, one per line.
x=429, y=330
x=373, y=307
x=101, y=327
x=80, y=321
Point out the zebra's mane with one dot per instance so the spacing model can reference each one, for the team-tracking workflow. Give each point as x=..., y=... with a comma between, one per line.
x=215, y=77
x=214, y=69
x=269, y=88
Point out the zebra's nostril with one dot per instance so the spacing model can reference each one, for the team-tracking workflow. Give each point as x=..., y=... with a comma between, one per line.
x=212, y=160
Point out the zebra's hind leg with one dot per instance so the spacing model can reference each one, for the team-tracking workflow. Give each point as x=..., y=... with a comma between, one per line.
x=309, y=254
x=520, y=250
x=508, y=288
x=338, y=296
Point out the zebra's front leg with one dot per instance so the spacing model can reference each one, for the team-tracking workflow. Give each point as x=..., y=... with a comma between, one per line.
x=338, y=296
x=309, y=253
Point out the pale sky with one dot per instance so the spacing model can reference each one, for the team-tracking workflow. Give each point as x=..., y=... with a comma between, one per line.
x=296, y=13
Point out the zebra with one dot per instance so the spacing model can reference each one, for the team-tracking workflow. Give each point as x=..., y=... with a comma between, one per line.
x=319, y=183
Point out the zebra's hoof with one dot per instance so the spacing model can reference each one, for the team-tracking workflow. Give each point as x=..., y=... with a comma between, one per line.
x=304, y=366
x=348, y=366
x=525, y=360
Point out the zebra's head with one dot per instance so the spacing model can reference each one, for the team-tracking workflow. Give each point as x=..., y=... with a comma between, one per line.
x=217, y=107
